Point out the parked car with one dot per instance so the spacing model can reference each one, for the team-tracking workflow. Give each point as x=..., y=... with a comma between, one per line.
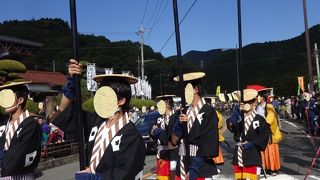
x=144, y=125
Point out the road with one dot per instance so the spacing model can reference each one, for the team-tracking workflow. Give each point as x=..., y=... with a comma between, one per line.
x=296, y=150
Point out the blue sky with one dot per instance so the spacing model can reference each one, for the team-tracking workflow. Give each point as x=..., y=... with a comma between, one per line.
x=210, y=24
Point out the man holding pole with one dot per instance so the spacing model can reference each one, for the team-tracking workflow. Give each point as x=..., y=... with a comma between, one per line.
x=161, y=132
x=115, y=149
x=202, y=130
x=251, y=134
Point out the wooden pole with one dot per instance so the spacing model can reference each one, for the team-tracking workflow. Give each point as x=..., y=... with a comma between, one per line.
x=79, y=113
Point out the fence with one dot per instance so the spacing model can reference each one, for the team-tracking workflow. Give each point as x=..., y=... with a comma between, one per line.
x=58, y=150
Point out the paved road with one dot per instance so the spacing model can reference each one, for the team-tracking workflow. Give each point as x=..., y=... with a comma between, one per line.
x=296, y=150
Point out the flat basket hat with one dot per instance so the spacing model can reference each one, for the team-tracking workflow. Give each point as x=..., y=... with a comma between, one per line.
x=249, y=94
x=190, y=76
x=163, y=97
x=129, y=79
x=13, y=83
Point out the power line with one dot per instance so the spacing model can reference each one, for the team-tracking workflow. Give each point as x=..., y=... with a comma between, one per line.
x=145, y=10
x=157, y=15
x=154, y=11
x=157, y=20
x=179, y=25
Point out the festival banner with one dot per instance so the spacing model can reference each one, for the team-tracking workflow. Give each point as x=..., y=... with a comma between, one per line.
x=222, y=97
x=301, y=83
x=91, y=72
x=218, y=91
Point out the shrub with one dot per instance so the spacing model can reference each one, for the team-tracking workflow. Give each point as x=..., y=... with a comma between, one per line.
x=31, y=106
x=88, y=104
x=12, y=76
x=140, y=102
x=12, y=66
x=3, y=73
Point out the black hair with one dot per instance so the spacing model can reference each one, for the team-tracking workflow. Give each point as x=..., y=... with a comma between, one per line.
x=168, y=100
x=196, y=83
x=171, y=104
x=208, y=100
x=21, y=91
x=122, y=89
x=264, y=94
x=250, y=101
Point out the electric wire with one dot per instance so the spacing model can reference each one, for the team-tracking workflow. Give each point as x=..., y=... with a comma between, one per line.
x=145, y=11
x=179, y=25
x=154, y=11
x=159, y=18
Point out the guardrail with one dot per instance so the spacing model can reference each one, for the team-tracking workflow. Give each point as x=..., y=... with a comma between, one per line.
x=58, y=150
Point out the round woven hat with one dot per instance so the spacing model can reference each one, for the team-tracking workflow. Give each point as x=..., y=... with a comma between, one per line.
x=249, y=94
x=163, y=97
x=12, y=83
x=190, y=76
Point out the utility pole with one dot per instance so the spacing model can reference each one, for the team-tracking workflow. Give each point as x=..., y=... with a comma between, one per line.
x=239, y=59
x=139, y=67
x=310, y=74
x=316, y=54
x=53, y=66
x=201, y=64
x=141, y=34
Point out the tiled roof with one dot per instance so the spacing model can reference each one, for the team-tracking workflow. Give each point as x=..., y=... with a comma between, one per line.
x=52, y=78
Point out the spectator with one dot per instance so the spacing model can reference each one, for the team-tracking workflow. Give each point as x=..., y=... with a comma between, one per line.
x=45, y=131
x=55, y=136
x=310, y=113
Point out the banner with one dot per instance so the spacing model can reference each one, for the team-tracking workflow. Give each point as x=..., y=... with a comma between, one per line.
x=301, y=83
x=222, y=97
x=229, y=97
x=91, y=72
x=133, y=91
x=218, y=91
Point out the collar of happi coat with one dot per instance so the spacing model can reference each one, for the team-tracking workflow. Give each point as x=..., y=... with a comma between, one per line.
x=248, y=118
x=22, y=117
x=193, y=112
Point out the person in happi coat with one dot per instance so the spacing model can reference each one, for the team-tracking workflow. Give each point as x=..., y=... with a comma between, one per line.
x=161, y=132
x=202, y=129
x=309, y=106
x=271, y=155
x=219, y=159
x=251, y=134
x=20, y=135
x=115, y=149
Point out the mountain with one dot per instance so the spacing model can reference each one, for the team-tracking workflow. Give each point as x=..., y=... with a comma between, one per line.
x=56, y=37
x=273, y=64
x=198, y=57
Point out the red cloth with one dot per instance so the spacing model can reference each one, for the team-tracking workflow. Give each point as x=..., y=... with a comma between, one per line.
x=163, y=167
x=256, y=87
x=248, y=172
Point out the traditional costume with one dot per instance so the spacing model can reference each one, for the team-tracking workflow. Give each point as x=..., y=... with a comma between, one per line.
x=271, y=155
x=252, y=135
x=167, y=154
x=219, y=159
x=115, y=152
x=310, y=112
x=20, y=140
x=202, y=127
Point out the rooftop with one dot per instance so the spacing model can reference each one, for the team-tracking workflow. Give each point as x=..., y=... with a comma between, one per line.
x=45, y=77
